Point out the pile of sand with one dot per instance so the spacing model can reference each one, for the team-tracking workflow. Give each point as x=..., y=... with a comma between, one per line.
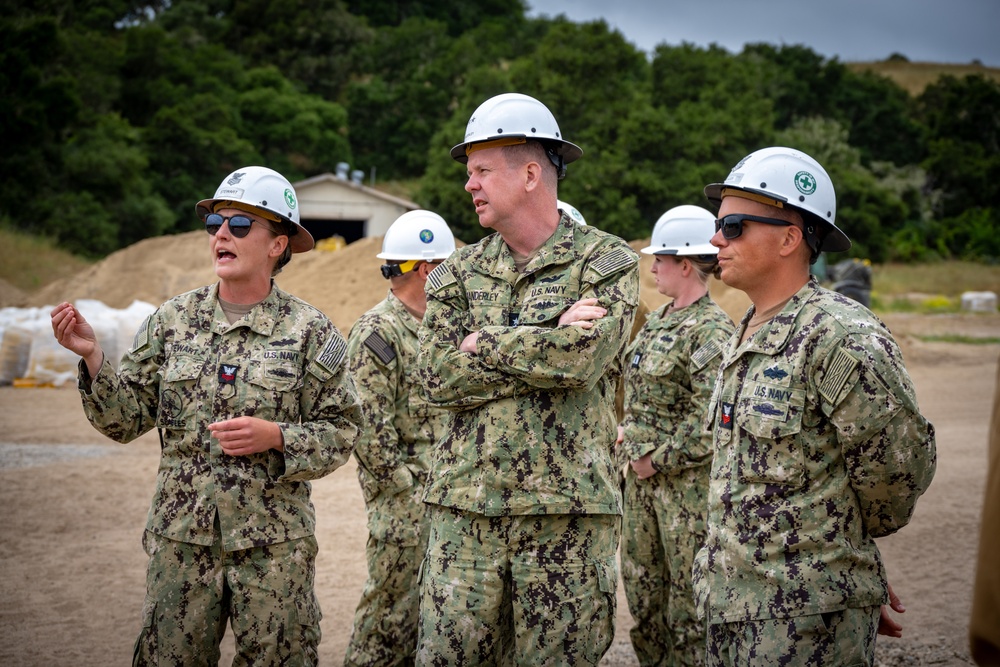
x=342, y=283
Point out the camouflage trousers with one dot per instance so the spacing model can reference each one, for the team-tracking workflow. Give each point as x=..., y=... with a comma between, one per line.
x=662, y=530
x=385, y=622
x=845, y=637
x=524, y=590
x=265, y=593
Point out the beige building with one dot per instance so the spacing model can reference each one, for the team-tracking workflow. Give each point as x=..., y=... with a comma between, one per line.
x=332, y=204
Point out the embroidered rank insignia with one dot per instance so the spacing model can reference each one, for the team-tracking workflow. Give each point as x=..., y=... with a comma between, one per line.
x=514, y=319
x=332, y=354
x=705, y=354
x=636, y=358
x=726, y=419
x=612, y=262
x=440, y=277
x=227, y=373
x=141, y=338
x=837, y=372
x=380, y=348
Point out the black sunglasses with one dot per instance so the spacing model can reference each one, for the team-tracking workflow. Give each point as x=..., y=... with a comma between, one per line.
x=732, y=224
x=239, y=225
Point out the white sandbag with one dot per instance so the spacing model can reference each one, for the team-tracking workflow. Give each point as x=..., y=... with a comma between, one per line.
x=129, y=321
x=15, y=351
x=104, y=320
x=49, y=364
x=979, y=302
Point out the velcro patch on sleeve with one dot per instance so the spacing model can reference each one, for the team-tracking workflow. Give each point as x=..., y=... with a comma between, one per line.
x=332, y=354
x=380, y=347
x=705, y=354
x=842, y=365
x=440, y=277
x=141, y=338
x=614, y=261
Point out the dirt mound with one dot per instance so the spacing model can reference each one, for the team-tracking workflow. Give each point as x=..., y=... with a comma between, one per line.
x=342, y=283
x=152, y=270
x=10, y=295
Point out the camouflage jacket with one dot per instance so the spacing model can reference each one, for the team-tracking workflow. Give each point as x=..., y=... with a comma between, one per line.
x=669, y=377
x=534, y=418
x=188, y=367
x=819, y=448
x=400, y=425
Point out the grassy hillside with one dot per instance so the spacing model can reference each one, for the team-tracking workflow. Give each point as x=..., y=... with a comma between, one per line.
x=914, y=77
x=28, y=262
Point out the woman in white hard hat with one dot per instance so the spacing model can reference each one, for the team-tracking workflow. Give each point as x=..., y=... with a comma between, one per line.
x=249, y=390
x=669, y=376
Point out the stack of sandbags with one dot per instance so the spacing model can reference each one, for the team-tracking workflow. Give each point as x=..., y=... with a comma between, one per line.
x=30, y=356
x=18, y=327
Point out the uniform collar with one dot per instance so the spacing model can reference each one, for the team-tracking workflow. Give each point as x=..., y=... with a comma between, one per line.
x=262, y=319
x=773, y=336
x=403, y=314
x=560, y=248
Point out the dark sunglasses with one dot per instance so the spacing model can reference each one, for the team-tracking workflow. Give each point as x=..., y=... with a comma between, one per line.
x=239, y=225
x=732, y=224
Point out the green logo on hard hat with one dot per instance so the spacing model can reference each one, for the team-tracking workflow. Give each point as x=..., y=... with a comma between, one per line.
x=426, y=236
x=805, y=182
x=290, y=198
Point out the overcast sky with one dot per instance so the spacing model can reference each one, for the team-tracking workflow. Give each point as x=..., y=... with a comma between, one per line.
x=944, y=31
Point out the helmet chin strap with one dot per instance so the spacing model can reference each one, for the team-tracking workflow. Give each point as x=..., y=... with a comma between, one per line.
x=558, y=161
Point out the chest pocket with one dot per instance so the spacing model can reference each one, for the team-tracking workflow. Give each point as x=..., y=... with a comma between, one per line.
x=771, y=451
x=544, y=312
x=180, y=392
x=659, y=375
x=272, y=389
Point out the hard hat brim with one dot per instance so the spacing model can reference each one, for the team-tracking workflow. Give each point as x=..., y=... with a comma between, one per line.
x=569, y=151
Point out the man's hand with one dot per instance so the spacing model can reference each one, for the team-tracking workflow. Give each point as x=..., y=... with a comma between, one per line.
x=643, y=468
x=470, y=343
x=582, y=313
x=886, y=625
x=247, y=435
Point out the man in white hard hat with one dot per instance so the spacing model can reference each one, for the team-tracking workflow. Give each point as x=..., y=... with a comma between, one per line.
x=395, y=449
x=819, y=445
x=523, y=340
x=250, y=393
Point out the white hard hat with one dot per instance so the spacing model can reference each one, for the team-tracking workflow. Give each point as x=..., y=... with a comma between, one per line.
x=516, y=116
x=572, y=212
x=792, y=179
x=683, y=230
x=418, y=235
x=264, y=189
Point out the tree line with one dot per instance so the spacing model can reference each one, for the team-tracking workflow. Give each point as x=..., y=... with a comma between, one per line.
x=119, y=116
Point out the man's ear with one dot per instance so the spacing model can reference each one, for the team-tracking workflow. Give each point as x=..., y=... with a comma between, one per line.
x=532, y=175
x=792, y=240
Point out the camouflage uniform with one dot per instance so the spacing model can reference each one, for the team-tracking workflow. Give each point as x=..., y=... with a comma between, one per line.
x=530, y=443
x=234, y=533
x=393, y=457
x=672, y=365
x=819, y=448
